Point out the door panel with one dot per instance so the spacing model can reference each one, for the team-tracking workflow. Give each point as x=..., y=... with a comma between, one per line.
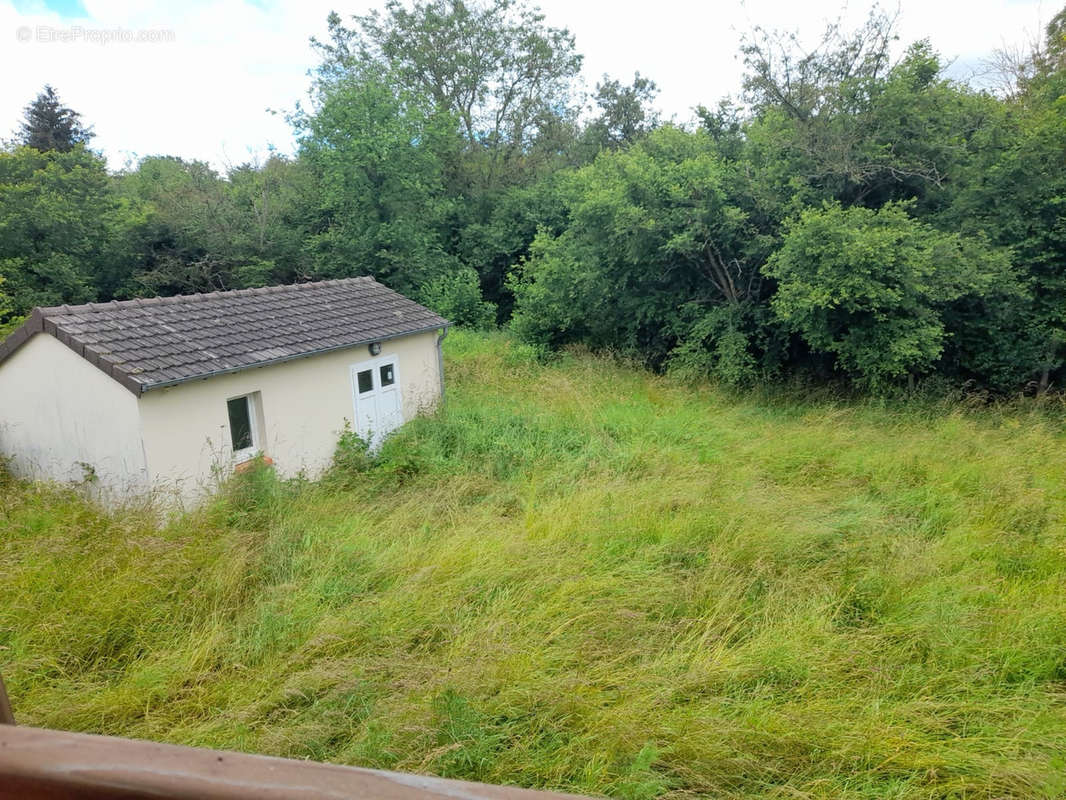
x=377, y=398
x=390, y=411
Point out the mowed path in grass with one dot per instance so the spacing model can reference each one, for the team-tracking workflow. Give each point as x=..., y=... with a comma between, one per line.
x=582, y=576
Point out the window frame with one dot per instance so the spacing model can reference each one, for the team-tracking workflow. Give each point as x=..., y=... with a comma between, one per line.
x=373, y=383
x=251, y=403
x=391, y=364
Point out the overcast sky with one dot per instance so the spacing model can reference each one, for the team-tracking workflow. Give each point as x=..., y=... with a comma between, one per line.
x=202, y=82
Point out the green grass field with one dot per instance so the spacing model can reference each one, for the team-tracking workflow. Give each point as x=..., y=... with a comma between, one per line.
x=585, y=577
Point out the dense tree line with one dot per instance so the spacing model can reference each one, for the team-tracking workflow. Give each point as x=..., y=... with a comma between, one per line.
x=851, y=216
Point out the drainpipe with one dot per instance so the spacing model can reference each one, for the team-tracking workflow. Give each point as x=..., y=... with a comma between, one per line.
x=440, y=360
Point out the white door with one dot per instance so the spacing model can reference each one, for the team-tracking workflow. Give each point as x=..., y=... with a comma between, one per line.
x=377, y=400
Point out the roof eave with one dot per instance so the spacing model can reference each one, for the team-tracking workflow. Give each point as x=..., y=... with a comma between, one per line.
x=23, y=333
x=38, y=322
x=143, y=388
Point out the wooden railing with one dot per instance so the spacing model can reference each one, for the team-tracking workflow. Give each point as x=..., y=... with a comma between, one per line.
x=38, y=764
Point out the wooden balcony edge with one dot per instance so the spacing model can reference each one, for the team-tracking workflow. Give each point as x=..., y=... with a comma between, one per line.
x=40, y=763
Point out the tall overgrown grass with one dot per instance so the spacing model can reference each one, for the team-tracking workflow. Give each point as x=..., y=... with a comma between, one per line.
x=582, y=576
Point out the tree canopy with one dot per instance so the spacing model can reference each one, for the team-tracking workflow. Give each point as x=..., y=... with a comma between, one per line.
x=49, y=125
x=854, y=215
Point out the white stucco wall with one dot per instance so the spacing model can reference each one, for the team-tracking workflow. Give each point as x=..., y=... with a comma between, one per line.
x=303, y=406
x=58, y=412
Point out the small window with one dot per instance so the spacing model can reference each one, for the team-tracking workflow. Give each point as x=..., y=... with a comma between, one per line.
x=366, y=381
x=388, y=378
x=240, y=423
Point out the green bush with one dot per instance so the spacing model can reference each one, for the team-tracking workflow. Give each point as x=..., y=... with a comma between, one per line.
x=352, y=458
x=871, y=287
x=718, y=345
x=457, y=297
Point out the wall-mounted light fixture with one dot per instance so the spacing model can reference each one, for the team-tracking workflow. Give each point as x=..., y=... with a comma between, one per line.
x=375, y=348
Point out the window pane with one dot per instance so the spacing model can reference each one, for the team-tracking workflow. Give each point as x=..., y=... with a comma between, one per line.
x=366, y=381
x=387, y=378
x=240, y=423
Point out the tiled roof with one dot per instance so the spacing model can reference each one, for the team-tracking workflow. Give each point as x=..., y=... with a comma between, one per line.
x=148, y=344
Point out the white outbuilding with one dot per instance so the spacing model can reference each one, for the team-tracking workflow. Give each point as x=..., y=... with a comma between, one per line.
x=167, y=395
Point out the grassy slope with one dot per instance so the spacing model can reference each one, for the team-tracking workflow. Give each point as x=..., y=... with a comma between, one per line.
x=586, y=577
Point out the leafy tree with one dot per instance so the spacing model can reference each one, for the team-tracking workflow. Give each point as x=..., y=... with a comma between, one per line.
x=503, y=78
x=848, y=124
x=651, y=228
x=725, y=124
x=184, y=230
x=375, y=151
x=206, y=232
x=810, y=82
x=625, y=113
x=1015, y=193
x=49, y=125
x=1034, y=73
x=502, y=74
x=860, y=212
x=870, y=287
x=457, y=297
x=64, y=233
x=5, y=301
x=273, y=205
x=503, y=234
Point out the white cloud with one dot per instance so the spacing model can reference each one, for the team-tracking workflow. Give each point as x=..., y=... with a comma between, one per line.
x=691, y=49
x=206, y=94
x=203, y=95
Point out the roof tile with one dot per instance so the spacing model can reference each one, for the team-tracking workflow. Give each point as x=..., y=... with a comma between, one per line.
x=161, y=341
